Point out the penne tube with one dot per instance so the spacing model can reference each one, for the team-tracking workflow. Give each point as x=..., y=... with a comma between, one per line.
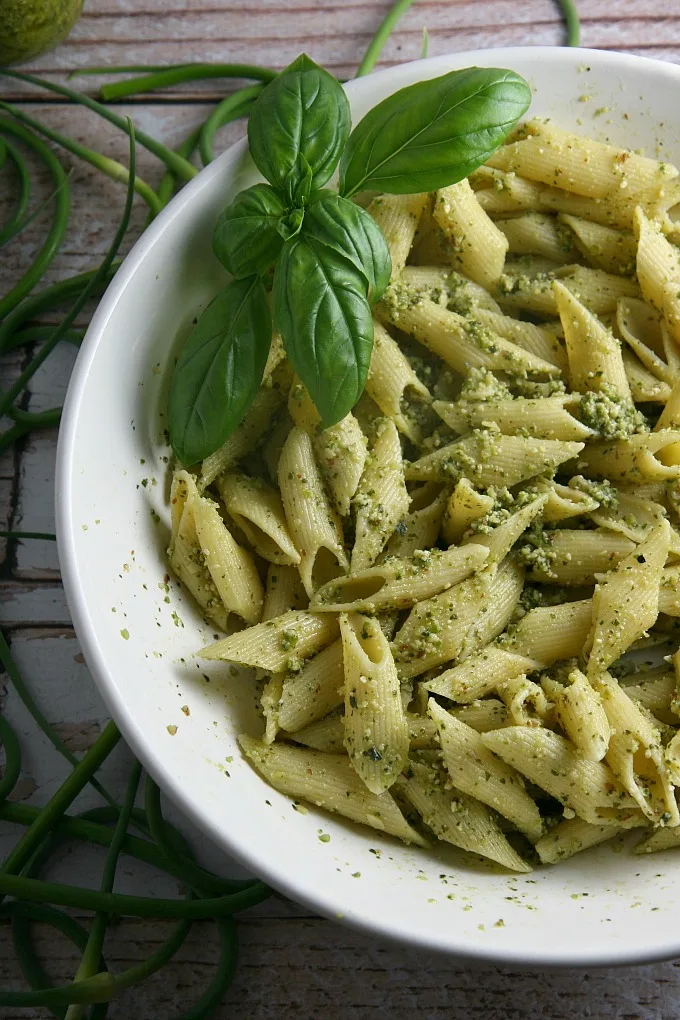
x=419, y=528
x=599, y=292
x=284, y=590
x=477, y=247
x=588, y=788
x=574, y=557
x=536, y=233
x=376, y=730
x=271, y=645
x=327, y=781
x=184, y=554
x=398, y=217
x=393, y=384
x=340, y=450
x=257, y=510
x=525, y=701
x=313, y=524
x=480, y=674
x=459, y=621
x=474, y=770
x=608, y=249
x=399, y=583
x=537, y=340
x=250, y=432
x=571, y=837
x=626, y=601
x=644, y=386
x=269, y=702
x=582, y=717
x=654, y=690
x=456, y=818
x=464, y=506
x=564, y=502
x=232, y=568
x=546, y=418
x=381, y=500
x=553, y=156
x=635, y=755
x=483, y=714
x=462, y=343
x=632, y=460
x=312, y=692
x=594, y=353
x=487, y=457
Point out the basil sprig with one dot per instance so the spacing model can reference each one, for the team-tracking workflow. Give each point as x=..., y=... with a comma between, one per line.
x=330, y=259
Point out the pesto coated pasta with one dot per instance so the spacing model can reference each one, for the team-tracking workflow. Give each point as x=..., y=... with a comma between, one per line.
x=445, y=595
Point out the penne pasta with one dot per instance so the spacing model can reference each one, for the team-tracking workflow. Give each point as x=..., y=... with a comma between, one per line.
x=476, y=245
x=456, y=818
x=257, y=510
x=399, y=583
x=479, y=773
x=381, y=500
x=586, y=788
x=376, y=730
x=312, y=522
x=329, y=782
x=272, y=645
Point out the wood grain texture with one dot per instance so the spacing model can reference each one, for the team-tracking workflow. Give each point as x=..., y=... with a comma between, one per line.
x=293, y=966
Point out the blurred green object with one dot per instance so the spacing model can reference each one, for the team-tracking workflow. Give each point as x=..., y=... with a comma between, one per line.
x=29, y=27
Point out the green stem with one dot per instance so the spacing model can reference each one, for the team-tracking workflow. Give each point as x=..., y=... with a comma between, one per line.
x=21, y=915
x=111, y=167
x=99, y=988
x=58, y=804
x=31, y=334
x=12, y=747
x=91, y=960
x=193, y=874
x=36, y=419
x=572, y=21
x=31, y=705
x=179, y=75
x=172, y=160
x=89, y=831
x=387, y=26
x=168, y=181
x=224, y=973
x=38, y=891
x=230, y=108
x=12, y=224
x=59, y=223
x=57, y=294
x=28, y=534
x=8, y=397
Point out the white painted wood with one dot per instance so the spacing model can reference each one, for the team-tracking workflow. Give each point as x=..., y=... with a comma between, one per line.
x=292, y=965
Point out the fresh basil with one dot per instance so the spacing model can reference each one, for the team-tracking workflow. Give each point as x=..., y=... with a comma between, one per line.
x=246, y=238
x=353, y=233
x=219, y=369
x=322, y=312
x=433, y=133
x=298, y=128
x=326, y=256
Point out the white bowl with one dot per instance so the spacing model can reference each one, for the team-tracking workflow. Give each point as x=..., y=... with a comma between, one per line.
x=139, y=642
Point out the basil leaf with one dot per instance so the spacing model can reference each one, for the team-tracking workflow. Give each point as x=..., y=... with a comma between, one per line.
x=246, y=238
x=219, y=369
x=433, y=133
x=352, y=232
x=323, y=315
x=297, y=129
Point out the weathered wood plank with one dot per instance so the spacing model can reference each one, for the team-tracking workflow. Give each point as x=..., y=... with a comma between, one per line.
x=302, y=969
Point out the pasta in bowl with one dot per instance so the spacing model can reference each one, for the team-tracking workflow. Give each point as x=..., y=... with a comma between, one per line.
x=458, y=601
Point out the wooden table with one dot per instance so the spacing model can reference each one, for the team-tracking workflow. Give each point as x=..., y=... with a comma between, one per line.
x=292, y=963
